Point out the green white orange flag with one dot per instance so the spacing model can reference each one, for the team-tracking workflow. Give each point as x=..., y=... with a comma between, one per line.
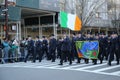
x=70, y=21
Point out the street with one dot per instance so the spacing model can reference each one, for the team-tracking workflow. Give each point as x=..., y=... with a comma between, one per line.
x=47, y=70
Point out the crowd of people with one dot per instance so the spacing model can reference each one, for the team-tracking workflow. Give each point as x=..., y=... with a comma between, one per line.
x=63, y=48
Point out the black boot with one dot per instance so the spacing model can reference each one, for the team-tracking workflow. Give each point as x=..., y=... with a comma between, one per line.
x=118, y=63
x=87, y=61
x=95, y=62
x=109, y=63
x=60, y=64
x=100, y=61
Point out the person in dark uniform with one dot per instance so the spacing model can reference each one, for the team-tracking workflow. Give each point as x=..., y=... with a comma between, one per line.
x=0, y=51
x=119, y=45
x=102, y=46
x=45, y=47
x=96, y=38
x=52, y=47
x=114, y=47
x=108, y=47
x=73, y=46
x=66, y=50
x=30, y=48
x=79, y=38
x=59, y=44
x=117, y=48
x=105, y=41
x=89, y=37
x=38, y=48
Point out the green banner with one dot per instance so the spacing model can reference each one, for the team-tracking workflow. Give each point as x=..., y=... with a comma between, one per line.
x=87, y=49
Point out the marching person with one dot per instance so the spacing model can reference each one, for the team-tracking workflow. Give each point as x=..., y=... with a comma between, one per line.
x=45, y=47
x=73, y=46
x=30, y=47
x=1, y=51
x=119, y=45
x=114, y=48
x=79, y=38
x=103, y=45
x=52, y=47
x=89, y=37
x=96, y=38
x=38, y=48
x=66, y=50
x=59, y=44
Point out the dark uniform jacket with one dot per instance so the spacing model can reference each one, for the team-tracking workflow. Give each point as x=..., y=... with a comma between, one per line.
x=59, y=44
x=66, y=44
x=45, y=44
x=52, y=44
x=80, y=38
x=30, y=45
x=38, y=45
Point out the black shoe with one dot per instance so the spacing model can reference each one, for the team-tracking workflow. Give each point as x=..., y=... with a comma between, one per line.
x=94, y=63
x=60, y=64
x=109, y=63
x=78, y=62
x=118, y=63
x=33, y=61
x=73, y=59
x=53, y=61
x=101, y=62
x=65, y=61
x=87, y=62
x=70, y=63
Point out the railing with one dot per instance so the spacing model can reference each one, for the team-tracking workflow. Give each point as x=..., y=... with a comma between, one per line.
x=12, y=56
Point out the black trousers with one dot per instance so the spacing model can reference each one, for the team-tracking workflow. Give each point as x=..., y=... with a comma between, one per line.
x=52, y=55
x=0, y=55
x=74, y=53
x=102, y=54
x=58, y=53
x=94, y=61
x=86, y=60
x=107, y=52
x=111, y=55
x=30, y=52
x=64, y=55
x=40, y=55
x=45, y=51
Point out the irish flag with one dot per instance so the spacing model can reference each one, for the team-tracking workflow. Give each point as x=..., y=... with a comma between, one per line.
x=70, y=21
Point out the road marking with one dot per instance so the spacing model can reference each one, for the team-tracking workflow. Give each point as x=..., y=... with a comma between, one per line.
x=109, y=67
x=116, y=73
x=74, y=66
x=92, y=66
x=103, y=73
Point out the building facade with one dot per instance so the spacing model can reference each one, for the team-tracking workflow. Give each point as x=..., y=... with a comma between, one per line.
x=37, y=17
x=41, y=17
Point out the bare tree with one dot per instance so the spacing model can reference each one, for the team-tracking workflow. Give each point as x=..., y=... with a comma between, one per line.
x=114, y=13
x=85, y=9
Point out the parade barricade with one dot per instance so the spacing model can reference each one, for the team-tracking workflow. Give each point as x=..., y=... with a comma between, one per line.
x=14, y=55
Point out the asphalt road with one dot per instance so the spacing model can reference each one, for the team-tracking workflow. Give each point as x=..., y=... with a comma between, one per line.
x=52, y=71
